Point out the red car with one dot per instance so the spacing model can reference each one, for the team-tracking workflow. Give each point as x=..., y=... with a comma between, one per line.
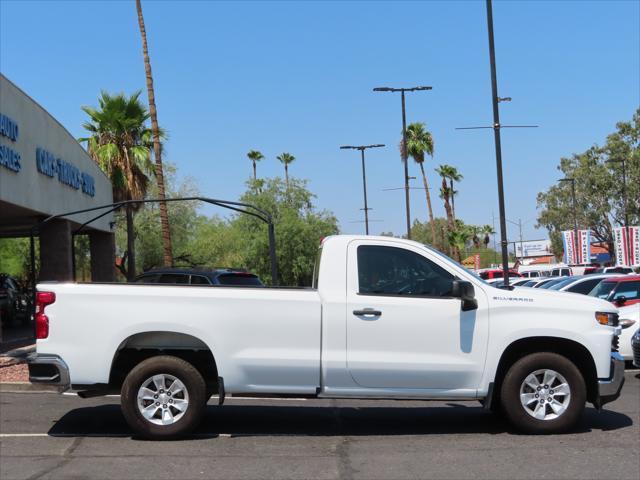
x=496, y=273
x=623, y=290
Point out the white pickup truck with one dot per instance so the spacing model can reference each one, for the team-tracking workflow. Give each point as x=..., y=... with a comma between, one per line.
x=385, y=318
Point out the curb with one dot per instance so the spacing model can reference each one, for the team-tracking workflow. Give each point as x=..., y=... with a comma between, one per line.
x=21, y=387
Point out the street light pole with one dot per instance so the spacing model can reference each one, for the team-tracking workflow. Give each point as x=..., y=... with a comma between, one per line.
x=496, y=134
x=405, y=156
x=575, y=215
x=362, y=148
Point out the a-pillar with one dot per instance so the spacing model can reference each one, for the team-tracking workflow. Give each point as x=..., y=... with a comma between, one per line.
x=103, y=253
x=55, y=251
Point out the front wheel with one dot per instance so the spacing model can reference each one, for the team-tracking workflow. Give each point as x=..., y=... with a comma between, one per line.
x=163, y=397
x=543, y=393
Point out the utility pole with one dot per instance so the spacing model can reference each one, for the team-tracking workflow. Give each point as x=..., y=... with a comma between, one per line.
x=366, y=208
x=404, y=146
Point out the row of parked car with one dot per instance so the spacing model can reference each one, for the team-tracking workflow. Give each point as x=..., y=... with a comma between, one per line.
x=621, y=290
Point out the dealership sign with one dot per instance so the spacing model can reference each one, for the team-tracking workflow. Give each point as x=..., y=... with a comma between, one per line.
x=576, y=252
x=627, y=245
x=67, y=173
x=9, y=158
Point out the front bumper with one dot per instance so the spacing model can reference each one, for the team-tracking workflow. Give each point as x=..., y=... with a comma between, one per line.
x=49, y=370
x=609, y=389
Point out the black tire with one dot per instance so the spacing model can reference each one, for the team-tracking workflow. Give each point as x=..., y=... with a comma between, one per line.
x=518, y=415
x=163, y=365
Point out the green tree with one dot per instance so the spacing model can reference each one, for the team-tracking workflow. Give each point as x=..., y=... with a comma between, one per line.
x=598, y=181
x=299, y=228
x=157, y=143
x=419, y=144
x=120, y=143
x=286, y=159
x=255, y=156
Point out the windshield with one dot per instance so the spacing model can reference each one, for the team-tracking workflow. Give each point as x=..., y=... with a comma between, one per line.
x=558, y=285
x=449, y=259
x=550, y=283
x=602, y=290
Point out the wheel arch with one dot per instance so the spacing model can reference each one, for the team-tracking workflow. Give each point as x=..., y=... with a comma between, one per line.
x=570, y=349
x=142, y=345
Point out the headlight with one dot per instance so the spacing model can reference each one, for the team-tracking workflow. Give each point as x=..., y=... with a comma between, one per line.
x=626, y=323
x=610, y=319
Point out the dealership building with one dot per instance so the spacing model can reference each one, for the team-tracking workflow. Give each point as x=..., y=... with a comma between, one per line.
x=44, y=171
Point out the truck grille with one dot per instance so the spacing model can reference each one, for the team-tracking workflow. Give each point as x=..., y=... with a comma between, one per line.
x=615, y=343
x=635, y=345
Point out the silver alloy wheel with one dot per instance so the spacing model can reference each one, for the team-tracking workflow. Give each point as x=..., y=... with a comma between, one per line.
x=545, y=394
x=163, y=399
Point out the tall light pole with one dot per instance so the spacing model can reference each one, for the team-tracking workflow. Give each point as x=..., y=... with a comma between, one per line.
x=626, y=208
x=362, y=148
x=404, y=145
x=496, y=135
x=575, y=215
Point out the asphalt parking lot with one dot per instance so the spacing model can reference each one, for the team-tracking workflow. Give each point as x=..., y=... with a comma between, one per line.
x=44, y=435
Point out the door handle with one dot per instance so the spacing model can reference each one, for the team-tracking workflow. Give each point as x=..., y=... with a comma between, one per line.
x=367, y=312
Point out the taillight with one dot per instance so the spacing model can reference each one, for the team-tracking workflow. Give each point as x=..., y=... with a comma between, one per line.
x=42, y=321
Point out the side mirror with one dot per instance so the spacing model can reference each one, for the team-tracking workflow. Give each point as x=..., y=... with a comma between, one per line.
x=621, y=300
x=464, y=291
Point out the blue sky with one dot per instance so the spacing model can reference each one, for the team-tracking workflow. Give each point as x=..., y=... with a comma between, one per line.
x=298, y=77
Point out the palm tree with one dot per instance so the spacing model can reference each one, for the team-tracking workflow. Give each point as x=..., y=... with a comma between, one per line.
x=487, y=230
x=419, y=143
x=167, y=255
x=255, y=156
x=120, y=143
x=458, y=240
x=445, y=193
x=454, y=176
x=286, y=158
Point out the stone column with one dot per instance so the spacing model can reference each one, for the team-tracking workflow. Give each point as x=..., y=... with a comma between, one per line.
x=55, y=251
x=102, y=246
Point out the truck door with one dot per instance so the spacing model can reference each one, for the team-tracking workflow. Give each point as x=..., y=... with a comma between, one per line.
x=404, y=330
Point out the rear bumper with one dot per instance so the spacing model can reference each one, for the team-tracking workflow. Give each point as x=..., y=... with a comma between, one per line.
x=609, y=389
x=49, y=370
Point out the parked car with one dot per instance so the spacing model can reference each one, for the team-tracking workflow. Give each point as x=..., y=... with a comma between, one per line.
x=561, y=271
x=14, y=301
x=386, y=318
x=619, y=290
x=537, y=282
x=618, y=269
x=200, y=276
x=491, y=273
x=548, y=283
x=517, y=282
x=582, y=284
x=629, y=321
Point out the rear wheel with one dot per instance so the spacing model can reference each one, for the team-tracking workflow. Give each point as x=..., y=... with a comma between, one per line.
x=163, y=397
x=543, y=393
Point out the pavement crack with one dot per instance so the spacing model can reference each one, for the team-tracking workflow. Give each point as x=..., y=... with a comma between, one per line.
x=66, y=458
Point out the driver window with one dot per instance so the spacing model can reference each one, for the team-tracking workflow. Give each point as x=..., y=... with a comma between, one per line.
x=396, y=271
